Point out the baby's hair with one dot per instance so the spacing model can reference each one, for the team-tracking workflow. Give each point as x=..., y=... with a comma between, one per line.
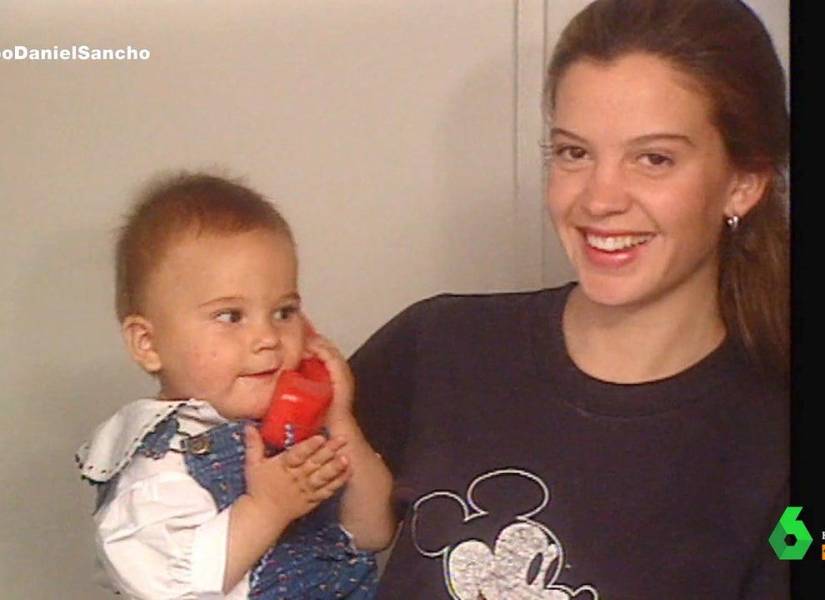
x=184, y=203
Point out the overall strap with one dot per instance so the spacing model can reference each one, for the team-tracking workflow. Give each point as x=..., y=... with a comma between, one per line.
x=215, y=459
x=157, y=442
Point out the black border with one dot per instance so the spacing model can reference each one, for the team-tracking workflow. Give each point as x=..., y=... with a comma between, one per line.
x=807, y=472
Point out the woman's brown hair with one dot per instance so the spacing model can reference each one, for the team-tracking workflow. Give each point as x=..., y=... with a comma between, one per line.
x=723, y=46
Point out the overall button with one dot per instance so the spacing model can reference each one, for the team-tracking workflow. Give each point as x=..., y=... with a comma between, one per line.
x=200, y=444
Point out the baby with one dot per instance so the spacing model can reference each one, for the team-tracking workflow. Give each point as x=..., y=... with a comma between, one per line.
x=189, y=504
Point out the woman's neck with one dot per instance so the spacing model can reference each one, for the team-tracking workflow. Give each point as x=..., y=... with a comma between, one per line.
x=641, y=342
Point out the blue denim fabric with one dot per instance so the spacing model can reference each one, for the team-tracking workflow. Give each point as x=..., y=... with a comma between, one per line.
x=156, y=442
x=313, y=559
x=215, y=459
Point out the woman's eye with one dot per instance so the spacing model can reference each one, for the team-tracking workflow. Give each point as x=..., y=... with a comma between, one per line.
x=228, y=316
x=569, y=153
x=285, y=313
x=654, y=159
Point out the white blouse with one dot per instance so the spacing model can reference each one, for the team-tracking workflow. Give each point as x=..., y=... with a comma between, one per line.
x=159, y=535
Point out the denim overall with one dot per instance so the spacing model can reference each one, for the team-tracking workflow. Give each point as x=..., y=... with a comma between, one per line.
x=312, y=560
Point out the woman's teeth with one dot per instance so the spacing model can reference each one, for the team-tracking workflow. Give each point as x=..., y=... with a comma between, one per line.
x=617, y=242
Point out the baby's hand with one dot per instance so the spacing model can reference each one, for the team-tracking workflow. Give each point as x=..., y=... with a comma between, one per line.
x=343, y=382
x=296, y=480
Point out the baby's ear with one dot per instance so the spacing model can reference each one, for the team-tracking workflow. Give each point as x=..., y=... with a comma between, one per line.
x=137, y=333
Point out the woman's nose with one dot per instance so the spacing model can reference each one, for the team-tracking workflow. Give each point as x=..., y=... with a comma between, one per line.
x=604, y=192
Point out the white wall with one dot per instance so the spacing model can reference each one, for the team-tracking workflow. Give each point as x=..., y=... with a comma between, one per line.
x=399, y=138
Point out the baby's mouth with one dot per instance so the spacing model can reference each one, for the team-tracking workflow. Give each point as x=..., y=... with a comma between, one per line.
x=261, y=374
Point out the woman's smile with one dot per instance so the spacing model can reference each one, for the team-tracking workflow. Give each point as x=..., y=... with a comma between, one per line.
x=614, y=249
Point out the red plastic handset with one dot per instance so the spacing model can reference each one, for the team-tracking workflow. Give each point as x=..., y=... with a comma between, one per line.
x=299, y=404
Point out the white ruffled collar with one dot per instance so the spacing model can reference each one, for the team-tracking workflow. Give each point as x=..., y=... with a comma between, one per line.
x=115, y=441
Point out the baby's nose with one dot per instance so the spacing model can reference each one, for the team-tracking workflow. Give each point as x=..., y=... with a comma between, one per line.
x=266, y=337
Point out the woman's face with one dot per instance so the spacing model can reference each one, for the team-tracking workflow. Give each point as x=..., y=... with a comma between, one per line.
x=639, y=182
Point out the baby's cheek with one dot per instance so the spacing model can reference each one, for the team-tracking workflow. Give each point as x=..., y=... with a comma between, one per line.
x=294, y=351
x=295, y=344
x=206, y=367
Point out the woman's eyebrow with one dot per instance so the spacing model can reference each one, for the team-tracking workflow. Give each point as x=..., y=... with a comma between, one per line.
x=556, y=131
x=642, y=139
x=663, y=137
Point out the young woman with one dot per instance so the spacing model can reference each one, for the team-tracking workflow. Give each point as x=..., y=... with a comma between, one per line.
x=624, y=436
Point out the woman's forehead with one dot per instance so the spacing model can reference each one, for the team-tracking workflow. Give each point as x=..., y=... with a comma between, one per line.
x=637, y=94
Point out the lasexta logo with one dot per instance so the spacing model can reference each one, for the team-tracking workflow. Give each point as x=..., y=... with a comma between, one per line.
x=790, y=539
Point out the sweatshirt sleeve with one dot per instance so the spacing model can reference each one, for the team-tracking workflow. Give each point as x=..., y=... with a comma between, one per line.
x=385, y=378
x=160, y=537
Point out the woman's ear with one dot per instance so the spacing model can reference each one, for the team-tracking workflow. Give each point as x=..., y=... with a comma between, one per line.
x=137, y=333
x=747, y=190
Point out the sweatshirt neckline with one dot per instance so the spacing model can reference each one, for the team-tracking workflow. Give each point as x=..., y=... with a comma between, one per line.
x=607, y=398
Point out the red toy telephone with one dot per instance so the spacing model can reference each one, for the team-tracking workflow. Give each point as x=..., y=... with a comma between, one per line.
x=299, y=403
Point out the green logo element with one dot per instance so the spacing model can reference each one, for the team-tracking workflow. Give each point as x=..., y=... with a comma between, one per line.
x=790, y=525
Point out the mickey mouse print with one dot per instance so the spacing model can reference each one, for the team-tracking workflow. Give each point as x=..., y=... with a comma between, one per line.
x=525, y=559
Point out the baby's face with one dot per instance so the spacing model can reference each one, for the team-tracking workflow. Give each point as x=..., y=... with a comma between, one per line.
x=225, y=316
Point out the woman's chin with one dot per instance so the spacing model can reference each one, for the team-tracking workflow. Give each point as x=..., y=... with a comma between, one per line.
x=608, y=291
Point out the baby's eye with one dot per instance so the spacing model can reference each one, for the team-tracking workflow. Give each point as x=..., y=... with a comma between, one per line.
x=285, y=313
x=230, y=315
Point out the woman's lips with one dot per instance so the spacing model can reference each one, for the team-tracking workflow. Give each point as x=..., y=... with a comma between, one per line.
x=613, y=249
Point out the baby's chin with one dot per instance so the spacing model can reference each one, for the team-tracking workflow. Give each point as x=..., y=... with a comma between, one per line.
x=253, y=413
x=258, y=414
x=232, y=409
